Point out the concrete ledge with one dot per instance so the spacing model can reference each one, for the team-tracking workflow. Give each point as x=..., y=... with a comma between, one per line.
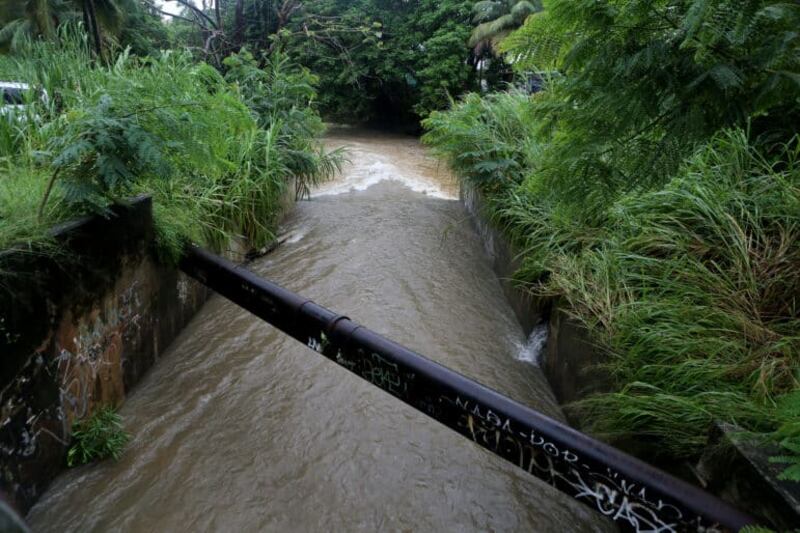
x=530, y=311
x=571, y=360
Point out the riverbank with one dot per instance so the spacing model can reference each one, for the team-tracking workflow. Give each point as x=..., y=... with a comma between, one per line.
x=558, y=343
x=682, y=294
x=215, y=160
x=656, y=200
x=735, y=467
x=80, y=331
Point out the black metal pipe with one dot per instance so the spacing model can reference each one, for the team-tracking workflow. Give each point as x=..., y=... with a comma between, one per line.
x=637, y=496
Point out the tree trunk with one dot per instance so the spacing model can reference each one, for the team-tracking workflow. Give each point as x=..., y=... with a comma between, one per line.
x=90, y=18
x=238, y=25
x=86, y=25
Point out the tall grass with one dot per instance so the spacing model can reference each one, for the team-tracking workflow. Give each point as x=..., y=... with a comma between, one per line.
x=695, y=297
x=691, y=288
x=198, y=141
x=279, y=96
x=494, y=143
x=490, y=141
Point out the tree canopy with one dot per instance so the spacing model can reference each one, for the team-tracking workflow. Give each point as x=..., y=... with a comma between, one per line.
x=396, y=61
x=375, y=58
x=106, y=22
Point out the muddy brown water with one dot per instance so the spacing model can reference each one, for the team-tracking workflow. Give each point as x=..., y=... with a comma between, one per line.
x=239, y=428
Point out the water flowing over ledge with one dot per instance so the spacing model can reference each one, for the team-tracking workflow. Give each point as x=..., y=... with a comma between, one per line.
x=377, y=157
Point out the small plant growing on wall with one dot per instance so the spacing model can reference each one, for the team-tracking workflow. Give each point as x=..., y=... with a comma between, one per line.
x=98, y=437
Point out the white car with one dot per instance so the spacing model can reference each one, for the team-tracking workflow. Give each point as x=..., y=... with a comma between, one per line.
x=12, y=98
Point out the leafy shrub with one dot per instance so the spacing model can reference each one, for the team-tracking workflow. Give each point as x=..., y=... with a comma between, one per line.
x=102, y=153
x=487, y=140
x=276, y=91
x=281, y=96
x=99, y=437
x=644, y=83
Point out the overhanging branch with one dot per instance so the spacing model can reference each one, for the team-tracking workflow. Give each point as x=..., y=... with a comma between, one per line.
x=197, y=11
x=167, y=13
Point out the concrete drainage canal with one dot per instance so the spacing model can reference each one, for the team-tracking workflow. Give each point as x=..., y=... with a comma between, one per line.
x=239, y=428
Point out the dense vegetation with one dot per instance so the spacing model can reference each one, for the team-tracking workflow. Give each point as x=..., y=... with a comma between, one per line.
x=376, y=59
x=654, y=189
x=108, y=116
x=216, y=150
x=401, y=59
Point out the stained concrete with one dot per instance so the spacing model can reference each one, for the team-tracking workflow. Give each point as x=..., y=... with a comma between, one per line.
x=79, y=330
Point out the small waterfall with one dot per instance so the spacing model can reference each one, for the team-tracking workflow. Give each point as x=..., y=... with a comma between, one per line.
x=537, y=342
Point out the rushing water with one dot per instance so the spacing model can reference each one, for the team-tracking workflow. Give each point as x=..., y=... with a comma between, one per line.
x=239, y=428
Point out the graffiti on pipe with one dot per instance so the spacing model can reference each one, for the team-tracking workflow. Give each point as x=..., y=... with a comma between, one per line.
x=604, y=489
x=608, y=492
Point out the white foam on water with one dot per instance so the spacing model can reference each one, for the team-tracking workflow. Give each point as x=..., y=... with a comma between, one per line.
x=296, y=235
x=363, y=176
x=534, y=347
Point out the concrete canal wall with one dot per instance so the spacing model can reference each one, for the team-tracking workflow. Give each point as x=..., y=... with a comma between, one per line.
x=569, y=360
x=79, y=329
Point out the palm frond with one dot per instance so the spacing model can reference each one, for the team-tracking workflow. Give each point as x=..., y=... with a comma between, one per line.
x=492, y=31
x=495, y=20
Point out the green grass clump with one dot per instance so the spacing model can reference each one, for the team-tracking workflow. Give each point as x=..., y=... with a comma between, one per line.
x=694, y=296
x=101, y=436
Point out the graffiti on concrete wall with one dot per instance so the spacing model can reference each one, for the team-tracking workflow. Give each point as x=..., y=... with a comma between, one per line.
x=89, y=351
